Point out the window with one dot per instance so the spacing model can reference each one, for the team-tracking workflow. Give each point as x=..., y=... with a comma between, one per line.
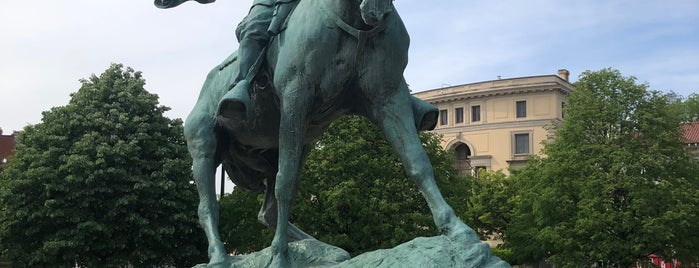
x=475, y=113
x=459, y=116
x=563, y=109
x=521, y=109
x=443, y=120
x=522, y=143
x=462, y=154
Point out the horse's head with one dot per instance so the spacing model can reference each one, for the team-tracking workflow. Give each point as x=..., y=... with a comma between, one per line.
x=374, y=11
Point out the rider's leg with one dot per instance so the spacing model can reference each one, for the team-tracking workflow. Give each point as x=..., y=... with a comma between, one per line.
x=237, y=101
x=253, y=36
x=281, y=11
x=248, y=52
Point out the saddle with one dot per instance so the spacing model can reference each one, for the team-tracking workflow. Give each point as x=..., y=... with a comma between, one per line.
x=238, y=105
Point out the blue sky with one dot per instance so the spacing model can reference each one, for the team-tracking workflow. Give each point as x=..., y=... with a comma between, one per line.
x=656, y=41
x=46, y=46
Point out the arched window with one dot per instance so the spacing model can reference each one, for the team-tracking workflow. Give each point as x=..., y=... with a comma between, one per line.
x=463, y=162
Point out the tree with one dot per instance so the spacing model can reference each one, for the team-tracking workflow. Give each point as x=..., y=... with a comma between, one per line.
x=101, y=182
x=616, y=184
x=240, y=230
x=354, y=193
x=490, y=203
x=687, y=108
x=491, y=198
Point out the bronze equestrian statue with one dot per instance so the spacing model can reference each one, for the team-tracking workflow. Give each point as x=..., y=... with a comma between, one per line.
x=331, y=58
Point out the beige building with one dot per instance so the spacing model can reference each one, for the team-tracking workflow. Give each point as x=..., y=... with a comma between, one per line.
x=495, y=125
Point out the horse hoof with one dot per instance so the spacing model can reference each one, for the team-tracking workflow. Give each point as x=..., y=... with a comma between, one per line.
x=279, y=261
x=220, y=261
x=461, y=232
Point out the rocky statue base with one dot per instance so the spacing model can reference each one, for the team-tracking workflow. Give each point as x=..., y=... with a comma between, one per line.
x=422, y=252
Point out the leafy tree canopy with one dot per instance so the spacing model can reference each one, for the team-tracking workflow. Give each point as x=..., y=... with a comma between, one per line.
x=490, y=203
x=355, y=194
x=687, y=108
x=101, y=182
x=616, y=184
x=241, y=232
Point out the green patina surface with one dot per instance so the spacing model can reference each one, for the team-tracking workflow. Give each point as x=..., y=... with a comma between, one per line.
x=260, y=110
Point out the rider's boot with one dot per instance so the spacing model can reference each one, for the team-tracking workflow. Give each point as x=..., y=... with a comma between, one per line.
x=235, y=104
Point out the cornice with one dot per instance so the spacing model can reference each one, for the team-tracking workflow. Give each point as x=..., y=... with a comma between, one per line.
x=500, y=125
x=491, y=93
x=503, y=87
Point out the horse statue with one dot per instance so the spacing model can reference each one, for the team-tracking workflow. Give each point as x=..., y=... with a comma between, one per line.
x=335, y=57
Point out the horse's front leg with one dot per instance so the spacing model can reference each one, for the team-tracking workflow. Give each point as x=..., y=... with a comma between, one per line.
x=292, y=129
x=201, y=142
x=393, y=114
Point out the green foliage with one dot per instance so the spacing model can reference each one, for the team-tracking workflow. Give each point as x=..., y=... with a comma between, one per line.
x=616, y=184
x=503, y=254
x=490, y=203
x=101, y=182
x=240, y=230
x=687, y=108
x=355, y=194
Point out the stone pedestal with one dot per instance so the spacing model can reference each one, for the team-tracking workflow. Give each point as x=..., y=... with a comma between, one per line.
x=421, y=252
x=427, y=252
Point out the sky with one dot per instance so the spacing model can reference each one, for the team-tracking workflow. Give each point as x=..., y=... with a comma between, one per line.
x=47, y=46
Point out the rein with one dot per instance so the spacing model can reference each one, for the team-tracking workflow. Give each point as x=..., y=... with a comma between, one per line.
x=361, y=35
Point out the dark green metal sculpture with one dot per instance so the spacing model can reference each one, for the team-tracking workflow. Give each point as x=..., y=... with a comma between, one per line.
x=330, y=58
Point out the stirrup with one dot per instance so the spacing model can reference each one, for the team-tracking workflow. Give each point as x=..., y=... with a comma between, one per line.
x=236, y=102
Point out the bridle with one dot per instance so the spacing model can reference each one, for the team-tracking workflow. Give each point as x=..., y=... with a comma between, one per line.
x=361, y=35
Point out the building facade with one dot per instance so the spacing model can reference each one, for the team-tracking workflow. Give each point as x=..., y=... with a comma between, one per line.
x=7, y=146
x=691, y=138
x=495, y=125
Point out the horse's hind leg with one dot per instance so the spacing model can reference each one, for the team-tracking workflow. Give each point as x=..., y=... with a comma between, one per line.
x=393, y=114
x=201, y=142
x=268, y=215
